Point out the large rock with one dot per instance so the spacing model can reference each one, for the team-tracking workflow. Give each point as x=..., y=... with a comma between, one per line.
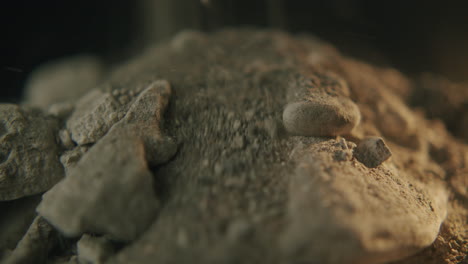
x=344, y=212
x=29, y=153
x=94, y=115
x=110, y=191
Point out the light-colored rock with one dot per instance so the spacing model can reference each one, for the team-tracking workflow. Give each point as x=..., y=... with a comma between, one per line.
x=113, y=176
x=321, y=116
x=29, y=161
x=110, y=179
x=63, y=80
x=344, y=212
x=93, y=250
x=35, y=245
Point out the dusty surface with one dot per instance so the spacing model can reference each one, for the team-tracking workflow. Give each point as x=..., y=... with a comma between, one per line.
x=267, y=148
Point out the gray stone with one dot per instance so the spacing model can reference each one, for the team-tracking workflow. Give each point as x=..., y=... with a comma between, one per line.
x=29, y=161
x=146, y=116
x=94, y=115
x=62, y=80
x=110, y=179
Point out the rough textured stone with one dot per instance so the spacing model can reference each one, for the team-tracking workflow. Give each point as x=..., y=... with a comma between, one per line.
x=34, y=247
x=146, y=116
x=86, y=200
x=372, y=152
x=347, y=213
x=94, y=115
x=63, y=80
x=29, y=161
x=110, y=179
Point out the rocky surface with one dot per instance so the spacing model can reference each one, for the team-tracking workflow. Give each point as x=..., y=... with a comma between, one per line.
x=280, y=150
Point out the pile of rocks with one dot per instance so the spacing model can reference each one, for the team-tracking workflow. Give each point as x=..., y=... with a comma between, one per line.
x=281, y=150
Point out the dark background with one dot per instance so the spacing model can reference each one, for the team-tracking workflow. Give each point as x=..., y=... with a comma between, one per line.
x=414, y=36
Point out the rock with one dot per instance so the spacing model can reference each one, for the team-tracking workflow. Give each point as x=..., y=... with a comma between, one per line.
x=110, y=191
x=86, y=200
x=342, y=212
x=62, y=80
x=34, y=247
x=372, y=152
x=321, y=116
x=29, y=161
x=146, y=116
x=94, y=115
x=94, y=250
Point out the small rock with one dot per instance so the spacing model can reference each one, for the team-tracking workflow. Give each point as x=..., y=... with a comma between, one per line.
x=35, y=245
x=93, y=117
x=110, y=191
x=321, y=116
x=372, y=152
x=29, y=161
x=94, y=250
x=146, y=116
x=63, y=80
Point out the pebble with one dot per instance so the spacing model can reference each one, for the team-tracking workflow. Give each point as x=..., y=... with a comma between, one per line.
x=372, y=152
x=321, y=116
